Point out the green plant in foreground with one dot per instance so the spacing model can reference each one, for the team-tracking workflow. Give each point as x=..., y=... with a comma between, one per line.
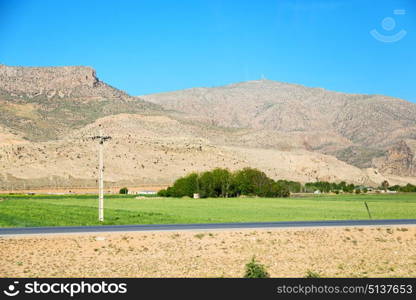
x=255, y=270
x=311, y=274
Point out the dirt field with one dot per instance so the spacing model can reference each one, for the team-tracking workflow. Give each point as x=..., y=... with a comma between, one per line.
x=331, y=252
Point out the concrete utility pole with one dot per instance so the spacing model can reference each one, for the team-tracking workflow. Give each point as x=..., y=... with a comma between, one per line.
x=101, y=139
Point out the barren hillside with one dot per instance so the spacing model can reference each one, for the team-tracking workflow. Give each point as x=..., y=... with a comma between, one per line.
x=46, y=103
x=48, y=116
x=355, y=128
x=157, y=150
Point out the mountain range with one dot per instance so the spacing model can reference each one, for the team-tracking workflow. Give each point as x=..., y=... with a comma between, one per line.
x=289, y=131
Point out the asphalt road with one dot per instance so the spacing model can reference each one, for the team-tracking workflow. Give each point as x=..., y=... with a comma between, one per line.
x=215, y=226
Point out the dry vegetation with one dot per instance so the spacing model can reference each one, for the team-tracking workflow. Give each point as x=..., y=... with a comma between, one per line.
x=331, y=252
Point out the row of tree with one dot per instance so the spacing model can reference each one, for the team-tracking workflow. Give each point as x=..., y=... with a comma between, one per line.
x=252, y=182
x=223, y=183
x=327, y=187
x=409, y=188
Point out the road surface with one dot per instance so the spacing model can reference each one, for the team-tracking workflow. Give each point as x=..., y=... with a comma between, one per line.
x=215, y=226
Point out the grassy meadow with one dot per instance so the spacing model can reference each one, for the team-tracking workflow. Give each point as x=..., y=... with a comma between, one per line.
x=75, y=210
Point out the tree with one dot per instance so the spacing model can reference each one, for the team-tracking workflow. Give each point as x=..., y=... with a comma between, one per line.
x=185, y=186
x=385, y=184
x=293, y=186
x=250, y=181
x=206, y=185
x=124, y=190
x=349, y=188
x=162, y=193
x=221, y=180
x=222, y=183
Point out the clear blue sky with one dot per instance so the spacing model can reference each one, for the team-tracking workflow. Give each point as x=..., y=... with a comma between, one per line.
x=152, y=46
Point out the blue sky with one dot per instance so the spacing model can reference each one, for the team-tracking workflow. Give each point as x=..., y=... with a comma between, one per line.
x=153, y=46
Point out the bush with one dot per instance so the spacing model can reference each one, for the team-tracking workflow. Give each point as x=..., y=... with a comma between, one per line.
x=255, y=270
x=293, y=186
x=162, y=193
x=311, y=274
x=124, y=190
x=275, y=189
x=409, y=188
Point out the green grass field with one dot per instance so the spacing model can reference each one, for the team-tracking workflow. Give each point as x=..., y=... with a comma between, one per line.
x=73, y=210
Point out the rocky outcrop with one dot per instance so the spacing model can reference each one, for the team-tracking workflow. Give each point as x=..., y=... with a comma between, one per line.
x=44, y=103
x=399, y=160
x=33, y=81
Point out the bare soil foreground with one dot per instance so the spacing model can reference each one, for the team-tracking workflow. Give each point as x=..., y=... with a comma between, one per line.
x=331, y=252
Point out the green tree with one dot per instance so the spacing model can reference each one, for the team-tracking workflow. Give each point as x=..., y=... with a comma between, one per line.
x=124, y=190
x=250, y=181
x=206, y=185
x=221, y=182
x=185, y=186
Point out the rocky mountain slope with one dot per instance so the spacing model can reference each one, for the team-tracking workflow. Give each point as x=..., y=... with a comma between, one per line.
x=156, y=150
x=48, y=115
x=400, y=159
x=354, y=128
x=46, y=103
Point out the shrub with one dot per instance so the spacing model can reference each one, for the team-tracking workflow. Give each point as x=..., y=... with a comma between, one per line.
x=124, y=190
x=162, y=193
x=409, y=188
x=275, y=189
x=311, y=274
x=293, y=186
x=255, y=270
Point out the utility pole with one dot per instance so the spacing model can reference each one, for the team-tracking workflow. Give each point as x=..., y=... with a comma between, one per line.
x=101, y=139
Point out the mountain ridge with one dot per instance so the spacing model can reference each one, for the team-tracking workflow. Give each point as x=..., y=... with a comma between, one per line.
x=289, y=131
x=34, y=100
x=366, y=121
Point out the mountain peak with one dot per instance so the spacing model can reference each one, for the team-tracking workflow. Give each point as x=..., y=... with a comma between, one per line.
x=37, y=80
